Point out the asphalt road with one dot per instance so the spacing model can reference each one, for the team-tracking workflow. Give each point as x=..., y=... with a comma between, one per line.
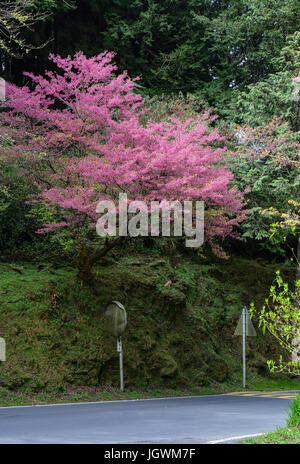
x=201, y=419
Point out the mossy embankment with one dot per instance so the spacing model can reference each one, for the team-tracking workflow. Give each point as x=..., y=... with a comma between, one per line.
x=181, y=319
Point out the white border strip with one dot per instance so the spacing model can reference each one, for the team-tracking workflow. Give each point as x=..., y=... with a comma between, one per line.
x=110, y=401
x=241, y=437
x=233, y=395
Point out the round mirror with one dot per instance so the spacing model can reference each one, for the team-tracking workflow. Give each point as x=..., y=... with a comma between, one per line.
x=116, y=318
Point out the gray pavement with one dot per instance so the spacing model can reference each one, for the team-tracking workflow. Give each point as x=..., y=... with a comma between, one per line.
x=201, y=419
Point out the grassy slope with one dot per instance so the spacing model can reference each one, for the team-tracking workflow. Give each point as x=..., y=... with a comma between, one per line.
x=179, y=335
x=282, y=436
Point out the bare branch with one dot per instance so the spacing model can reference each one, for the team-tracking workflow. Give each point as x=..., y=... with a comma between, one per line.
x=15, y=18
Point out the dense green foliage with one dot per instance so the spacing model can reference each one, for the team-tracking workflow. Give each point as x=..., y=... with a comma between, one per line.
x=275, y=95
x=208, y=47
x=281, y=317
x=245, y=37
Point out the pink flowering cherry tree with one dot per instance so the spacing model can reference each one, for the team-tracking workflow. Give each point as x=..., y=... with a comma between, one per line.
x=77, y=135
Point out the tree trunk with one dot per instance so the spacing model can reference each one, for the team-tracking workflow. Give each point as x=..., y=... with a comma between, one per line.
x=87, y=259
x=85, y=265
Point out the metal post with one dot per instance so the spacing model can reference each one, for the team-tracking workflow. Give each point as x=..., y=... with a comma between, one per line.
x=119, y=346
x=244, y=347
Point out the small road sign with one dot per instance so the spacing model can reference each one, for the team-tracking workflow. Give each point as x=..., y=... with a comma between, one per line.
x=249, y=329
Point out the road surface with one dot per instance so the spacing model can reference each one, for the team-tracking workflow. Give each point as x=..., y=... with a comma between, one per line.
x=198, y=419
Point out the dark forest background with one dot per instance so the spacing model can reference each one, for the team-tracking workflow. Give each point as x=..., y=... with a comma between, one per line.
x=210, y=48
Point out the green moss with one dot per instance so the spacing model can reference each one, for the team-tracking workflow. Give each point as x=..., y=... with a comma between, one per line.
x=180, y=324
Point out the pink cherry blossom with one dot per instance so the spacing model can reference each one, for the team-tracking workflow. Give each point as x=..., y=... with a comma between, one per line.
x=77, y=135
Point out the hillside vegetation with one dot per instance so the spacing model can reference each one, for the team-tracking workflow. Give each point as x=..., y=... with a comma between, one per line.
x=181, y=319
x=183, y=108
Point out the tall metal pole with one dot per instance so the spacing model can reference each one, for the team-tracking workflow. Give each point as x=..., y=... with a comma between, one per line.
x=244, y=347
x=120, y=350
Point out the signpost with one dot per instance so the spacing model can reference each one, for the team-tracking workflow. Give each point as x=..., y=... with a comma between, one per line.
x=120, y=351
x=2, y=89
x=246, y=329
x=2, y=350
x=116, y=317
